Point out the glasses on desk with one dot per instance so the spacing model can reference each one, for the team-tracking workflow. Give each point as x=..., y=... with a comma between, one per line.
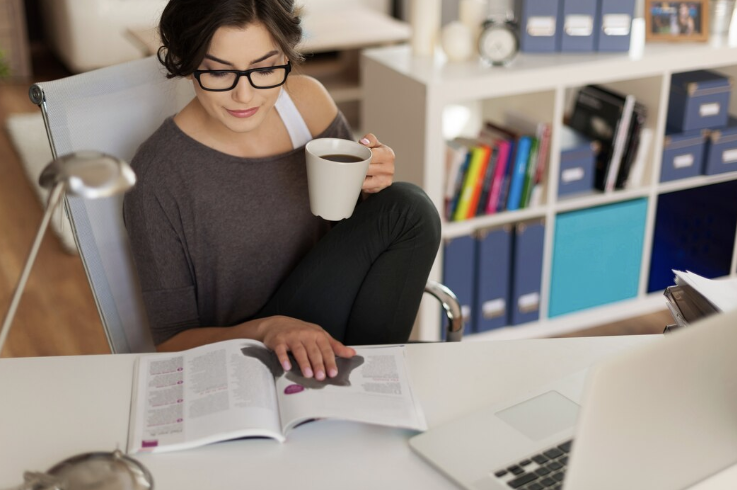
x=260, y=78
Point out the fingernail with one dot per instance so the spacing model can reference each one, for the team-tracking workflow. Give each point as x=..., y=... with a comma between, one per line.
x=320, y=375
x=286, y=365
x=333, y=373
x=365, y=141
x=308, y=373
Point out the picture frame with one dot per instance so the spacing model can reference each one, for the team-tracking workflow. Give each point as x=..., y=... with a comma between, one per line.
x=677, y=21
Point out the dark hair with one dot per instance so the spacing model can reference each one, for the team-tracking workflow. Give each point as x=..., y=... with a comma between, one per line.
x=187, y=26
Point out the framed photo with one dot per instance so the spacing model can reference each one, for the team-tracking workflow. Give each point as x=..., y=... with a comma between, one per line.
x=677, y=21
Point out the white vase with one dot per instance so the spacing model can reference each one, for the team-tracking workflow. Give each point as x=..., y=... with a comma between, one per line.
x=425, y=23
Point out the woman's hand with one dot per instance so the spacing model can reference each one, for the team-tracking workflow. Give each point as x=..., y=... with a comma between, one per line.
x=312, y=347
x=381, y=169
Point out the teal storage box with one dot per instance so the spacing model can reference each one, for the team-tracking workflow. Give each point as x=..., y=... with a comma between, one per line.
x=698, y=100
x=721, y=149
x=597, y=256
x=683, y=155
x=577, y=162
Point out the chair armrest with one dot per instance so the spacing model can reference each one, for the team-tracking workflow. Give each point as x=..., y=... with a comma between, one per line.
x=452, y=309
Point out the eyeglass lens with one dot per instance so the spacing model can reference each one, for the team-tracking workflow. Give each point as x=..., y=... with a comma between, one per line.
x=227, y=80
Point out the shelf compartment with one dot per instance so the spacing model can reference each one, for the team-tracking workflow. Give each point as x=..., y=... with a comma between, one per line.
x=694, y=230
x=597, y=256
x=648, y=91
x=523, y=115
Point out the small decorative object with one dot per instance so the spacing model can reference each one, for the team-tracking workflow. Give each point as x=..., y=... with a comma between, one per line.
x=425, y=22
x=473, y=13
x=677, y=21
x=100, y=470
x=499, y=42
x=720, y=13
x=457, y=41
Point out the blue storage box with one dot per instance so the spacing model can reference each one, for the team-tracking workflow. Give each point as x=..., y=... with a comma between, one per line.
x=698, y=100
x=683, y=155
x=577, y=162
x=538, y=20
x=721, y=149
x=614, y=25
x=576, y=23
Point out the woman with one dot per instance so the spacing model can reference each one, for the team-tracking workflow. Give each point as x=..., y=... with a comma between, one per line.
x=219, y=222
x=686, y=24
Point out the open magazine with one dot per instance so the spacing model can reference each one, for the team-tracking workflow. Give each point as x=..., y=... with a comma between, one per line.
x=237, y=388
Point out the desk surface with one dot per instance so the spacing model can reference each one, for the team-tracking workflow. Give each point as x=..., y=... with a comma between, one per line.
x=53, y=408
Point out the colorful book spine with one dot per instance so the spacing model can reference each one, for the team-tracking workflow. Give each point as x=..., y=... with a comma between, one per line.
x=505, y=148
x=519, y=170
x=507, y=177
x=530, y=174
x=543, y=153
x=488, y=180
x=469, y=184
x=478, y=183
x=460, y=178
x=456, y=155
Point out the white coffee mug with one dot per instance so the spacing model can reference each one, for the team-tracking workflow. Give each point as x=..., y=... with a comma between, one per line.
x=336, y=169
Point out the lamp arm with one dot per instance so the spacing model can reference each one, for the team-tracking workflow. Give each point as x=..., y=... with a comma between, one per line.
x=54, y=199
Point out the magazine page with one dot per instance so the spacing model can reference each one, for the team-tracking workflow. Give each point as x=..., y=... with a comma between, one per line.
x=373, y=387
x=211, y=393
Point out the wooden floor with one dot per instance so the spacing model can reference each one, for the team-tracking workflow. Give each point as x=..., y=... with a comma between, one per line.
x=57, y=315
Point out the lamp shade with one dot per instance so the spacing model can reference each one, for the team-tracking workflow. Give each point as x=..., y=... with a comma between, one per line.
x=89, y=174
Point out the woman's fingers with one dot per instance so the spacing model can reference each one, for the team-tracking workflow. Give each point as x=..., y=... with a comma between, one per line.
x=318, y=367
x=313, y=349
x=283, y=356
x=340, y=349
x=328, y=357
x=300, y=354
x=380, y=173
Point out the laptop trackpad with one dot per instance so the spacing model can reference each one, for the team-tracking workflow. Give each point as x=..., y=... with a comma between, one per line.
x=542, y=416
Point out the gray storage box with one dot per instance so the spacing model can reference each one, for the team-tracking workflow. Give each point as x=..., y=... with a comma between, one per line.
x=721, y=149
x=683, y=155
x=698, y=100
x=577, y=162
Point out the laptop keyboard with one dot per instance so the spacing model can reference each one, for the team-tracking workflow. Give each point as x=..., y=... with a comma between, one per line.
x=543, y=471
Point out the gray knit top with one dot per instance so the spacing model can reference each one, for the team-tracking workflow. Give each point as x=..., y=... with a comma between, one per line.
x=213, y=235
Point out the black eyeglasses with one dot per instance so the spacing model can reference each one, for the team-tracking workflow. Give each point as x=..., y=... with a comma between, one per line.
x=261, y=78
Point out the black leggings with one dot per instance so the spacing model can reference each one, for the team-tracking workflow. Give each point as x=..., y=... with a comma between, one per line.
x=364, y=280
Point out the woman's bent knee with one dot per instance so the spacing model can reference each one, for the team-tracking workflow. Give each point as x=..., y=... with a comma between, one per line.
x=421, y=213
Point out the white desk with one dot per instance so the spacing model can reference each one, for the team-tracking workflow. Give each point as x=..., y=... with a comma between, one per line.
x=53, y=408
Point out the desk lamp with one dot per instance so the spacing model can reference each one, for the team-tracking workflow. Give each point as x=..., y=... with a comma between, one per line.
x=90, y=175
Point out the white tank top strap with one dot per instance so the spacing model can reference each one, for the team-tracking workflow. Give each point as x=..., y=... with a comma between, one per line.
x=295, y=124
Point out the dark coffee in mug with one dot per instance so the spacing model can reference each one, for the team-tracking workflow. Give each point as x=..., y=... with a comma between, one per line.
x=342, y=158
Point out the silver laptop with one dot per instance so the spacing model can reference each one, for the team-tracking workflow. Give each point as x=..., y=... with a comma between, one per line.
x=662, y=416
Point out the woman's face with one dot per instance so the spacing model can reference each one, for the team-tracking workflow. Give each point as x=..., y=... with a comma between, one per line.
x=243, y=108
x=683, y=10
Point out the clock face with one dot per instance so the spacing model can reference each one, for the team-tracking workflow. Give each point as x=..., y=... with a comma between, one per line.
x=498, y=44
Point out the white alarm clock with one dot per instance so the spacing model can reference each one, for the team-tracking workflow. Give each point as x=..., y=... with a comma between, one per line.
x=498, y=41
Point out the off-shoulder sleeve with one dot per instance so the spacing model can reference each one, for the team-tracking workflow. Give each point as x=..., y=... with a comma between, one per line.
x=161, y=258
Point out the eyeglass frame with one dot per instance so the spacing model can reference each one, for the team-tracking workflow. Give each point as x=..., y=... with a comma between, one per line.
x=244, y=73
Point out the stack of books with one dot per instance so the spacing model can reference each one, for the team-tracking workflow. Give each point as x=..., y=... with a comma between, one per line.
x=500, y=170
x=616, y=122
x=694, y=297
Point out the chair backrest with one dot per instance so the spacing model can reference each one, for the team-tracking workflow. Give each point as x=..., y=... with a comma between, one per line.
x=112, y=110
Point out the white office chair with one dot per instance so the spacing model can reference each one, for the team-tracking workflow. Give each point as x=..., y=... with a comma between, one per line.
x=114, y=110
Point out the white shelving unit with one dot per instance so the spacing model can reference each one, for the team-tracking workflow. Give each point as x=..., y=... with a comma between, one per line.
x=404, y=102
